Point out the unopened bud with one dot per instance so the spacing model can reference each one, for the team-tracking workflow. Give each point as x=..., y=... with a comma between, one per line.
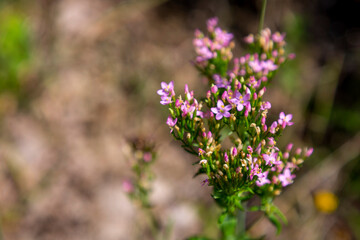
x=277, y=192
x=262, y=91
x=188, y=135
x=214, y=89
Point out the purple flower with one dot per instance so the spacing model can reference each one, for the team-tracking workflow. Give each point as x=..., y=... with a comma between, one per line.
x=221, y=110
x=240, y=101
x=171, y=123
x=166, y=89
x=284, y=120
x=262, y=179
x=206, y=181
x=286, y=177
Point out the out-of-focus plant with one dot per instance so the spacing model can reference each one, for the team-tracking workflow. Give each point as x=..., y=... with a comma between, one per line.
x=139, y=186
x=15, y=51
x=234, y=108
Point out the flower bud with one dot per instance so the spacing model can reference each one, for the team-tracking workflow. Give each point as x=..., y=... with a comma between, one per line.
x=309, y=152
x=289, y=147
x=203, y=162
x=226, y=158
x=262, y=91
x=214, y=89
x=234, y=151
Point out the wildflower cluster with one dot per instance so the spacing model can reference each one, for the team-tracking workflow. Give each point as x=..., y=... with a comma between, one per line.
x=234, y=108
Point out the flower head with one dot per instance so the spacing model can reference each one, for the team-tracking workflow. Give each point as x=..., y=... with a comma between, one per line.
x=286, y=177
x=171, y=123
x=221, y=110
x=284, y=120
x=262, y=179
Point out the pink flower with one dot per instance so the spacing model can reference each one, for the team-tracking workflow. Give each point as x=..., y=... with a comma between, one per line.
x=272, y=128
x=171, y=123
x=186, y=109
x=221, y=110
x=249, y=39
x=256, y=171
x=211, y=23
x=286, y=177
x=262, y=180
x=127, y=186
x=309, y=152
x=165, y=100
x=147, y=156
x=277, y=37
x=226, y=158
x=166, y=89
x=284, y=120
x=265, y=105
x=271, y=159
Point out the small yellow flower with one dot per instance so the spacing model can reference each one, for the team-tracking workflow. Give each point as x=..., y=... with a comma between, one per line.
x=325, y=201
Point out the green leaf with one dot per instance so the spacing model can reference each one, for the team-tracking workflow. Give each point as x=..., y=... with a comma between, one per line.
x=224, y=133
x=278, y=212
x=273, y=219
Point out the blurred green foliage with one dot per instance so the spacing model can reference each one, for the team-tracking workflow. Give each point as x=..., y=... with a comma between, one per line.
x=15, y=51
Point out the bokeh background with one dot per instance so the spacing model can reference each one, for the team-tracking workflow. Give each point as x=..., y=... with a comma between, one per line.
x=78, y=83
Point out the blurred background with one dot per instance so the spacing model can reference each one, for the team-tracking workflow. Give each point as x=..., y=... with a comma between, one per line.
x=78, y=83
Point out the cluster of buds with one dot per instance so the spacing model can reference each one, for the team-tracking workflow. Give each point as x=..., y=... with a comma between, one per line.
x=234, y=108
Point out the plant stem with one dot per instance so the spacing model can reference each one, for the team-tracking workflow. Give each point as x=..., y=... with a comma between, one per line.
x=262, y=16
x=240, y=223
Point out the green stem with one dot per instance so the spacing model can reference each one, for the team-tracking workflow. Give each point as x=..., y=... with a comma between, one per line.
x=262, y=16
x=240, y=223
